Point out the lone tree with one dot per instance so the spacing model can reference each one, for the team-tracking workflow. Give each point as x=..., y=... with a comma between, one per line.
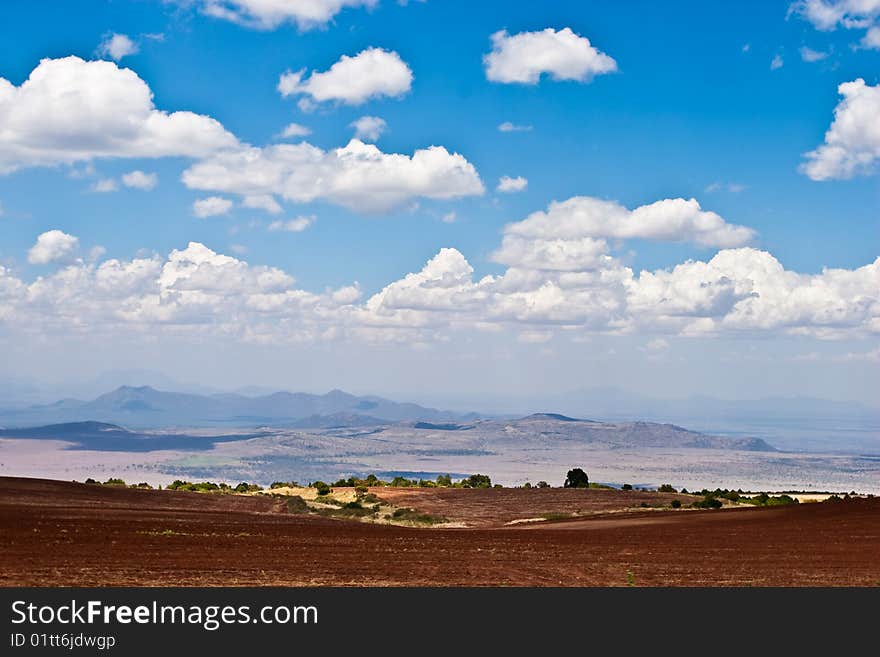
x=576, y=478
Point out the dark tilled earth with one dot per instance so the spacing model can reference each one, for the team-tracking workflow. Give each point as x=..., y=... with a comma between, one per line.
x=65, y=534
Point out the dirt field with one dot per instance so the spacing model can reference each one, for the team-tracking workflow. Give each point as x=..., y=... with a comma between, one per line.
x=58, y=533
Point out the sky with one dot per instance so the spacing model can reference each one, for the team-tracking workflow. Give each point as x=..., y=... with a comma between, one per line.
x=444, y=199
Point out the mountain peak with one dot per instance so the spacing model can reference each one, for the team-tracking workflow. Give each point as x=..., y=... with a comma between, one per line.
x=551, y=416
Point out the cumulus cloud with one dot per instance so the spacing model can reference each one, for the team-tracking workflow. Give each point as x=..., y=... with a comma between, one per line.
x=777, y=62
x=138, y=179
x=508, y=126
x=523, y=58
x=372, y=73
x=270, y=14
x=749, y=290
x=358, y=176
x=828, y=14
x=297, y=225
x=117, y=46
x=294, y=130
x=53, y=246
x=193, y=290
x=211, y=206
x=738, y=291
x=572, y=234
x=368, y=128
x=508, y=185
x=70, y=110
x=852, y=143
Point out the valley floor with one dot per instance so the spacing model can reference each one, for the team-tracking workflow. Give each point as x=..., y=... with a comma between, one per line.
x=56, y=533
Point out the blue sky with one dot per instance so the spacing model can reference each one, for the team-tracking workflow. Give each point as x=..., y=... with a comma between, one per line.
x=693, y=111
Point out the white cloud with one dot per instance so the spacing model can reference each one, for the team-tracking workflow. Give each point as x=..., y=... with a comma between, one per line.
x=358, y=176
x=571, y=234
x=52, y=246
x=105, y=185
x=211, y=206
x=749, y=290
x=264, y=202
x=871, y=40
x=294, y=130
x=270, y=14
x=372, y=73
x=117, y=46
x=508, y=185
x=449, y=218
x=810, y=56
x=852, y=143
x=297, y=225
x=777, y=62
x=740, y=291
x=138, y=179
x=828, y=14
x=368, y=128
x=507, y=126
x=193, y=290
x=564, y=55
x=70, y=110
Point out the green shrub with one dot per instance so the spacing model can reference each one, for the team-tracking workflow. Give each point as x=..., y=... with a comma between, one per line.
x=112, y=481
x=667, y=488
x=245, y=487
x=708, y=502
x=676, y=504
x=626, y=487
x=444, y=480
x=542, y=484
x=283, y=484
x=411, y=515
x=322, y=488
x=296, y=504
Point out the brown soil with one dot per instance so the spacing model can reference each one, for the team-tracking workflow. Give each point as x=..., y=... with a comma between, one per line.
x=59, y=533
x=491, y=507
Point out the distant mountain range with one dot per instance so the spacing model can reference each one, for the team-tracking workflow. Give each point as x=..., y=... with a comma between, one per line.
x=146, y=407
x=540, y=428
